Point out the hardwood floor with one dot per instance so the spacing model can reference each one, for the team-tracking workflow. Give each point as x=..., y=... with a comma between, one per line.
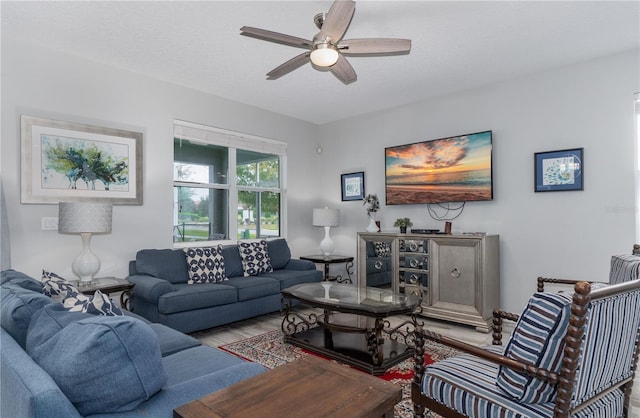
x=251, y=327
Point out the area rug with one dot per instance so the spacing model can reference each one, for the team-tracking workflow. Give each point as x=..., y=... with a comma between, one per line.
x=271, y=351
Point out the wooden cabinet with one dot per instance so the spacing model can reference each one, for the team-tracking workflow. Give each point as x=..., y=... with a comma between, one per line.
x=458, y=275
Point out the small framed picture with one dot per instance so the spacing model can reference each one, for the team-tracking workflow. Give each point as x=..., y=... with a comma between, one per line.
x=557, y=171
x=352, y=186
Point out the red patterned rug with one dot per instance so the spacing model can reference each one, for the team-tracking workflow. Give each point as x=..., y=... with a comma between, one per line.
x=271, y=351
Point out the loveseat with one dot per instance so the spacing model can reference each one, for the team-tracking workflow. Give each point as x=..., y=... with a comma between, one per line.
x=59, y=363
x=237, y=289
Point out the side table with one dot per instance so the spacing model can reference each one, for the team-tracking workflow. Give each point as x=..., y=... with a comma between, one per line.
x=108, y=285
x=332, y=259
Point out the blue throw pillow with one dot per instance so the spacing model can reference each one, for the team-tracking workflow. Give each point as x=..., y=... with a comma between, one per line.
x=537, y=339
x=279, y=253
x=104, y=364
x=232, y=261
x=47, y=322
x=169, y=265
x=18, y=307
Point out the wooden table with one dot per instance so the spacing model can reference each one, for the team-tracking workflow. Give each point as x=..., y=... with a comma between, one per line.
x=309, y=387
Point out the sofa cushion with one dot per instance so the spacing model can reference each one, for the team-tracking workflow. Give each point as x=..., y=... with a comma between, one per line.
x=288, y=278
x=104, y=364
x=254, y=287
x=172, y=341
x=205, y=264
x=538, y=339
x=167, y=264
x=20, y=279
x=195, y=362
x=187, y=297
x=255, y=258
x=18, y=307
x=279, y=253
x=232, y=261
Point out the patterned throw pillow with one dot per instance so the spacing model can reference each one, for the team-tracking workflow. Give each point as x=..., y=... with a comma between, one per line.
x=255, y=258
x=205, y=264
x=537, y=339
x=73, y=300
x=96, y=304
x=382, y=249
x=56, y=287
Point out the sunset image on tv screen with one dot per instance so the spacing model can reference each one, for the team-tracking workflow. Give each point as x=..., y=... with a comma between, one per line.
x=456, y=169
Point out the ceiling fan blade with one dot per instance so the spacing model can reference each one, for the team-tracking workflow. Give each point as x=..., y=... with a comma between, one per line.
x=374, y=46
x=288, y=66
x=343, y=70
x=277, y=37
x=337, y=20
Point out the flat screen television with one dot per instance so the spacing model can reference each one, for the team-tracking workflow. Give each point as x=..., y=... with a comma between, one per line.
x=456, y=169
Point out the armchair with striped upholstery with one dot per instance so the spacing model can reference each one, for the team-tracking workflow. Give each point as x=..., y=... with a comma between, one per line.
x=625, y=267
x=571, y=354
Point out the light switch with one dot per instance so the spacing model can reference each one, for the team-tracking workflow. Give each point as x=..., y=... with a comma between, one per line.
x=49, y=223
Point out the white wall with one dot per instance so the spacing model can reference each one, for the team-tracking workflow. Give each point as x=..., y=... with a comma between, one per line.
x=44, y=83
x=561, y=234
x=568, y=234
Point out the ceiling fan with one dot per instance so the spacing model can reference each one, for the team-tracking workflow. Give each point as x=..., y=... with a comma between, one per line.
x=328, y=49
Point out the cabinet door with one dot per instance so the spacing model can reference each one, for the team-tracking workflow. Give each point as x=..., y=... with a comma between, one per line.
x=456, y=276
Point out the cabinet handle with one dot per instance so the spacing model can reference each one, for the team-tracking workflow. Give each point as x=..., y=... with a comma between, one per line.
x=455, y=273
x=378, y=265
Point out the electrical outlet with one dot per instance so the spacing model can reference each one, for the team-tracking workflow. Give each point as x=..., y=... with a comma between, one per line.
x=49, y=223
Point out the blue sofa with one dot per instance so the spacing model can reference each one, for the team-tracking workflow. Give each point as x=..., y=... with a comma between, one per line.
x=56, y=363
x=162, y=294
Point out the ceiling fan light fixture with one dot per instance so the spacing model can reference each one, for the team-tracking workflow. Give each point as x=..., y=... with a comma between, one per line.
x=324, y=55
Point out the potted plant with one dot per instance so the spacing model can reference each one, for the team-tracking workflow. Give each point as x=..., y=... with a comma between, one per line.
x=403, y=223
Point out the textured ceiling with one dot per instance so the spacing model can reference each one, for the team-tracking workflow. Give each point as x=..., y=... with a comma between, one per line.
x=455, y=45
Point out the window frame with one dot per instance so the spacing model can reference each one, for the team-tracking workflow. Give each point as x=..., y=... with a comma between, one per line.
x=233, y=141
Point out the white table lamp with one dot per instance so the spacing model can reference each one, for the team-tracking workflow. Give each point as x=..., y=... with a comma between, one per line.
x=85, y=219
x=327, y=218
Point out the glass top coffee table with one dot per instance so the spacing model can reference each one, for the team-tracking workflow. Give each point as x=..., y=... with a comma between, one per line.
x=351, y=327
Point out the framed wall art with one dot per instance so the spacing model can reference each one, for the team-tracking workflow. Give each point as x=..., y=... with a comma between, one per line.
x=561, y=170
x=65, y=161
x=352, y=186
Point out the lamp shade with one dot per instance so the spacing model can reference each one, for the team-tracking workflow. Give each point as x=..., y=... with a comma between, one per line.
x=326, y=217
x=80, y=217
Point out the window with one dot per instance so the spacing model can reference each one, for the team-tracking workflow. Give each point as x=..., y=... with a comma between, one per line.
x=227, y=186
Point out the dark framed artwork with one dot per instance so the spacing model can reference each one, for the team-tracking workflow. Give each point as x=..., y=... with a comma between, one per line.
x=352, y=186
x=558, y=171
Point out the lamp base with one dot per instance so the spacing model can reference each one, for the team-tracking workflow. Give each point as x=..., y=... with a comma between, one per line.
x=326, y=246
x=86, y=264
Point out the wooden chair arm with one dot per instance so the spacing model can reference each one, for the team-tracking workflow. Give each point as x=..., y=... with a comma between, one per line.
x=519, y=366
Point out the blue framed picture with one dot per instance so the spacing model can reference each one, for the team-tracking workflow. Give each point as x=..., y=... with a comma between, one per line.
x=558, y=171
x=352, y=186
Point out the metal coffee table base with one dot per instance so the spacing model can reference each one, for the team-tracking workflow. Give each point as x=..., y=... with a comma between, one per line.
x=351, y=349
